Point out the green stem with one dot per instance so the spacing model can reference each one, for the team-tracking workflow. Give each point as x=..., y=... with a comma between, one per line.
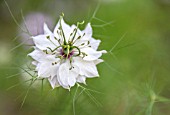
x=150, y=108
x=62, y=31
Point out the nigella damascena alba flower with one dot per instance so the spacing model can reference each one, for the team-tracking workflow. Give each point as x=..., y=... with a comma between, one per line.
x=66, y=56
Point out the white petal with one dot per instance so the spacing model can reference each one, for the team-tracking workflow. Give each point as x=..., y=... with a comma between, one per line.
x=35, y=63
x=73, y=75
x=42, y=42
x=88, y=31
x=37, y=67
x=44, y=64
x=66, y=28
x=81, y=79
x=98, y=61
x=94, y=43
x=46, y=29
x=91, y=53
x=37, y=55
x=54, y=69
x=71, y=81
x=44, y=71
x=54, y=82
x=86, y=68
x=81, y=41
x=67, y=76
x=40, y=56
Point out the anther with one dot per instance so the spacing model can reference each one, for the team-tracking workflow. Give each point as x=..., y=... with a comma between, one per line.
x=88, y=42
x=58, y=31
x=79, y=37
x=45, y=51
x=84, y=54
x=82, y=44
x=54, y=53
x=72, y=67
x=55, y=38
x=48, y=37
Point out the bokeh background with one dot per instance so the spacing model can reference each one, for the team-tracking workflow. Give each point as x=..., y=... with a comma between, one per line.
x=134, y=79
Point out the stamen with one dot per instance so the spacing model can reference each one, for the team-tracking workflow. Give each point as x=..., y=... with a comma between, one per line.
x=54, y=53
x=50, y=49
x=79, y=38
x=84, y=54
x=78, y=23
x=48, y=37
x=72, y=67
x=84, y=34
x=61, y=57
x=53, y=49
x=70, y=37
x=88, y=42
x=54, y=63
x=45, y=51
x=85, y=44
x=82, y=44
x=57, y=40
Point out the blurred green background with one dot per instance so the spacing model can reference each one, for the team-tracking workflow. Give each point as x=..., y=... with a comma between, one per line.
x=134, y=79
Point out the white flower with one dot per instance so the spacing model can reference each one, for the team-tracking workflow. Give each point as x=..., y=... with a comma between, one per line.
x=67, y=55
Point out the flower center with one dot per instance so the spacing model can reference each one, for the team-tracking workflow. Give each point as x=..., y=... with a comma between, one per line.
x=68, y=49
x=67, y=52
